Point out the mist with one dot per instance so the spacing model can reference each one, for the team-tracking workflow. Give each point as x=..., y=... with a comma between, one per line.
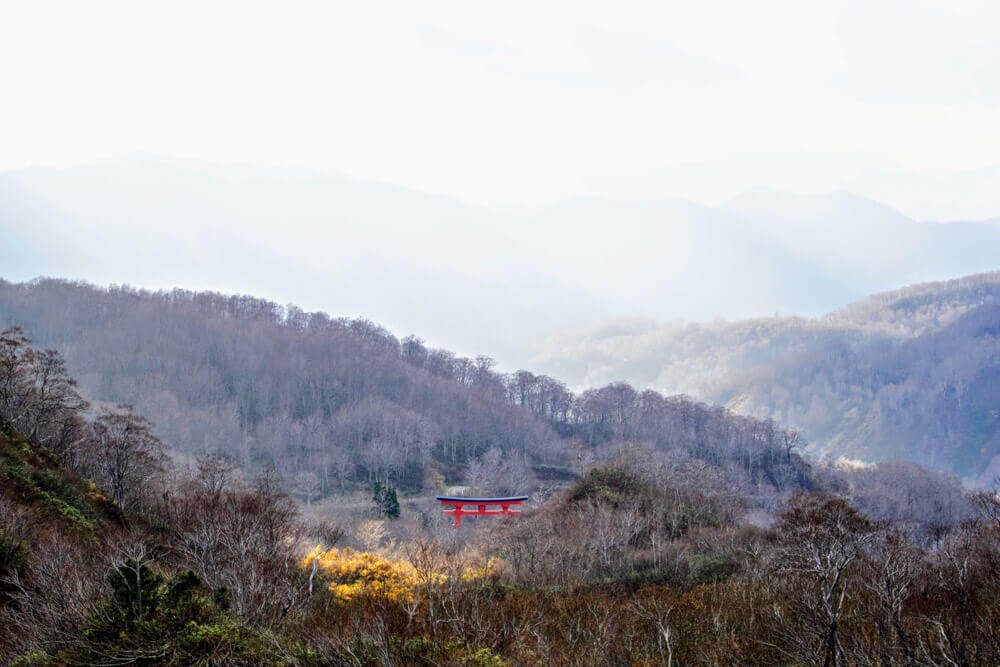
x=474, y=279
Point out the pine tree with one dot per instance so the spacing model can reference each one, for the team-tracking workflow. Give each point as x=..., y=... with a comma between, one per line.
x=386, y=501
x=391, y=503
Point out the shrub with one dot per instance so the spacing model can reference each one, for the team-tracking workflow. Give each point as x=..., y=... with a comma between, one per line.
x=356, y=573
x=13, y=556
x=147, y=620
x=134, y=591
x=606, y=484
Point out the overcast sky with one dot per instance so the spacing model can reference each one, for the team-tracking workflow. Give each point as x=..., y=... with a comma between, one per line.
x=509, y=102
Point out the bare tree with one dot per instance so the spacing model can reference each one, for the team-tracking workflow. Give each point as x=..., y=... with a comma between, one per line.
x=126, y=454
x=987, y=504
x=307, y=485
x=215, y=473
x=822, y=537
x=890, y=574
x=494, y=474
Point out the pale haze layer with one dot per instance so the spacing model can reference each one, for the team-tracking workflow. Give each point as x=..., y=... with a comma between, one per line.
x=486, y=176
x=474, y=279
x=527, y=102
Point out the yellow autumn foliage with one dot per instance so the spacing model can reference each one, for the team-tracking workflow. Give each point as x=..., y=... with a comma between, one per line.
x=94, y=494
x=476, y=573
x=353, y=574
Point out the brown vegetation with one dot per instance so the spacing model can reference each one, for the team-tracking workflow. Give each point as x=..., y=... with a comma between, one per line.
x=651, y=556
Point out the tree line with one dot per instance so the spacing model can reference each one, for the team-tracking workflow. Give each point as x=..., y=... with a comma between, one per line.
x=336, y=403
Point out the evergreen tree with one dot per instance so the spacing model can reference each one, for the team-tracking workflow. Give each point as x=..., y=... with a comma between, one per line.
x=391, y=503
x=386, y=501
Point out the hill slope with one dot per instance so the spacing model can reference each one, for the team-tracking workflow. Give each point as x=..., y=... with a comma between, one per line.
x=337, y=403
x=911, y=373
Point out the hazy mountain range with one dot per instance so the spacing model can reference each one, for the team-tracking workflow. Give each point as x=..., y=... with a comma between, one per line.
x=913, y=373
x=469, y=278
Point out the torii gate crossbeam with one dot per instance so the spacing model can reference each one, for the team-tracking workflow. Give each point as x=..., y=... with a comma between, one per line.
x=458, y=504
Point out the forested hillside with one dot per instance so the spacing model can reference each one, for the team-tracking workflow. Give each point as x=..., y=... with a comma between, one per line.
x=109, y=554
x=336, y=404
x=933, y=398
x=912, y=373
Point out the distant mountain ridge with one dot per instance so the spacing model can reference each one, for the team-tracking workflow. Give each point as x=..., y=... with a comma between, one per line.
x=914, y=308
x=466, y=277
x=912, y=373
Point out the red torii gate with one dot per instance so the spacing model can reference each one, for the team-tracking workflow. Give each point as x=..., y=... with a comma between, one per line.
x=458, y=512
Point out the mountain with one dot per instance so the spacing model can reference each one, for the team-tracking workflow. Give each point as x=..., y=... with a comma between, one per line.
x=335, y=404
x=466, y=277
x=864, y=243
x=911, y=373
x=412, y=261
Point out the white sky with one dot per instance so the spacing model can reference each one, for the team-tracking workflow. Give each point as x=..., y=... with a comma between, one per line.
x=526, y=102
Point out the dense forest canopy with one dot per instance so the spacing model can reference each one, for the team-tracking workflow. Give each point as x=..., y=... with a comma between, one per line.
x=337, y=403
